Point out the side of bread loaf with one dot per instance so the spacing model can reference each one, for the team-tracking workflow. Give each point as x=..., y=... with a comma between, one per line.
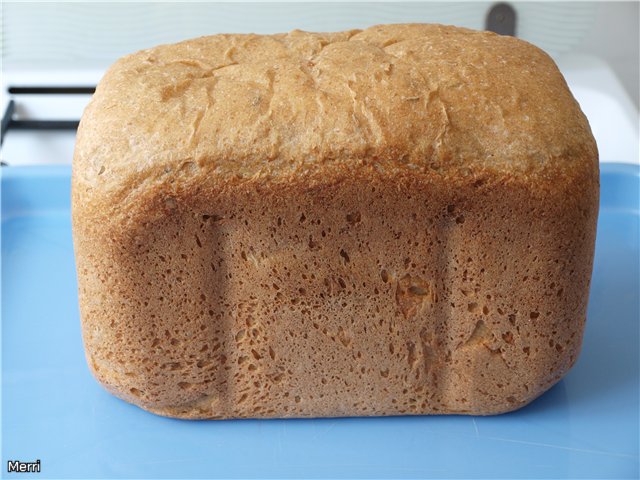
x=399, y=220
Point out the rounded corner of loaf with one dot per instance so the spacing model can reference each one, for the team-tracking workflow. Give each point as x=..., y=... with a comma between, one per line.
x=150, y=386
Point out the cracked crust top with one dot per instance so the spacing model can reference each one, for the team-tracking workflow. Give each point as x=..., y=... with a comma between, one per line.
x=412, y=96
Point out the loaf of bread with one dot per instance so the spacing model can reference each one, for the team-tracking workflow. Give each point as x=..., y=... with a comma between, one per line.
x=398, y=220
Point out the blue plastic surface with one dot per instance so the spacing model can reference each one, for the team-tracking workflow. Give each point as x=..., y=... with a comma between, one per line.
x=53, y=410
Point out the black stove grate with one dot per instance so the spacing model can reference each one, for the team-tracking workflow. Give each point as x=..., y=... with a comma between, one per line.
x=10, y=123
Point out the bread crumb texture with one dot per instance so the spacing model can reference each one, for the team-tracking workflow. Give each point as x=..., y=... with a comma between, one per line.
x=398, y=220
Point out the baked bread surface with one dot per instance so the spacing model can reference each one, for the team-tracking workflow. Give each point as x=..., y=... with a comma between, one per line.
x=399, y=220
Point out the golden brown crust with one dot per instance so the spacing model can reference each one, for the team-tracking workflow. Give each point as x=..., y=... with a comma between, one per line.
x=395, y=220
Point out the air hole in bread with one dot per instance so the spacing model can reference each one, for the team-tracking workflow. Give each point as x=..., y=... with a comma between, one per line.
x=480, y=334
x=313, y=245
x=188, y=167
x=353, y=218
x=135, y=392
x=384, y=275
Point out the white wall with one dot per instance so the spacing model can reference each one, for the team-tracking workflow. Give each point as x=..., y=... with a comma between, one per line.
x=615, y=37
x=71, y=35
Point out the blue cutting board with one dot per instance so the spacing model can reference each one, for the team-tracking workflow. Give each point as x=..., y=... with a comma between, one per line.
x=53, y=410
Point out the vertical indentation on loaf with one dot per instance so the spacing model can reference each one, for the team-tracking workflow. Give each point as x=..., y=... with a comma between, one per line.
x=165, y=313
x=195, y=312
x=450, y=248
